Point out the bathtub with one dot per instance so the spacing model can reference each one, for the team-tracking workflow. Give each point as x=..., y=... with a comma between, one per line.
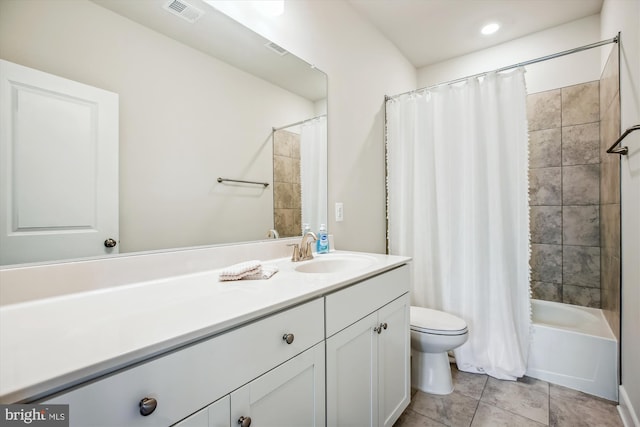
x=574, y=347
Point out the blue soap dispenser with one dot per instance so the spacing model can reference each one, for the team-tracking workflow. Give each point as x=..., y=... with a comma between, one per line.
x=323, y=240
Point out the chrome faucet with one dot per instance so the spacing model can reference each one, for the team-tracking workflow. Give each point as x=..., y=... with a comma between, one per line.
x=304, y=251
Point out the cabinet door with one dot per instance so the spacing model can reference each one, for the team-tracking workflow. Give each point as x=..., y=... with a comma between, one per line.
x=352, y=375
x=219, y=413
x=214, y=415
x=290, y=395
x=199, y=419
x=394, y=348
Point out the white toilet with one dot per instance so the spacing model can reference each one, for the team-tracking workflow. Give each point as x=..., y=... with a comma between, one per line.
x=433, y=334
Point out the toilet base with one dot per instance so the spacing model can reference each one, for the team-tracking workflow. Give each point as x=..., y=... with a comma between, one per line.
x=431, y=373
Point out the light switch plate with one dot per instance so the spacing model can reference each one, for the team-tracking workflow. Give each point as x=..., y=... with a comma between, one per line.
x=339, y=211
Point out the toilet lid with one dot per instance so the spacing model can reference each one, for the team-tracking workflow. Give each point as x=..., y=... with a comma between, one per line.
x=436, y=322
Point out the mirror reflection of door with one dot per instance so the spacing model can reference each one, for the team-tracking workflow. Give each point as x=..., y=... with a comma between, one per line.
x=59, y=167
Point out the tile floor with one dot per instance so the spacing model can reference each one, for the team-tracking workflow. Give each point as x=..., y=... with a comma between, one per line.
x=479, y=400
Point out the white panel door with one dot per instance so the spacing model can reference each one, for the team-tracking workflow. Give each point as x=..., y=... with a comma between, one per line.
x=291, y=395
x=59, y=167
x=352, y=392
x=394, y=349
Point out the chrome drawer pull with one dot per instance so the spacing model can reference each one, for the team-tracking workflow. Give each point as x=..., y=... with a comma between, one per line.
x=147, y=406
x=244, y=421
x=288, y=338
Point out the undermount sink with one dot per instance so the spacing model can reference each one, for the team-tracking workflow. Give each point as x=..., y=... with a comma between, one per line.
x=335, y=263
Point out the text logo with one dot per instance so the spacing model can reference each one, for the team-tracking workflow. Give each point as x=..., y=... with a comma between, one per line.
x=34, y=415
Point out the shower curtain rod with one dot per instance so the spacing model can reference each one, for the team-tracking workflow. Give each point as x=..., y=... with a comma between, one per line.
x=298, y=123
x=509, y=67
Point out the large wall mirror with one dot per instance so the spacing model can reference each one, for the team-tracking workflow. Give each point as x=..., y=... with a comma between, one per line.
x=198, y=98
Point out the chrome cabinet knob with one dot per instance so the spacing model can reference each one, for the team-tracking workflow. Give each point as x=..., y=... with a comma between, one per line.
x=110, y=243
x=379, y=328
x=147, y=406
x=288, y=338
x=244, y=421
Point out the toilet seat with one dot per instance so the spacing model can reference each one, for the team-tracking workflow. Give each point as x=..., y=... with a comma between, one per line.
x=428, y=321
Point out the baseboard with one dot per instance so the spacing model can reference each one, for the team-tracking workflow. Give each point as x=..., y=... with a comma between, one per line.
x=627, y=411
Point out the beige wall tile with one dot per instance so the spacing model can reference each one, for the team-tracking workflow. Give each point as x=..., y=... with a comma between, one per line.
x=545, y=148
x=581, y=144
x=581, y=185
x=581, y=104
x=546, y=291
x=544, y=110
x=581, y=267
x=581, y=225
x=545, y=186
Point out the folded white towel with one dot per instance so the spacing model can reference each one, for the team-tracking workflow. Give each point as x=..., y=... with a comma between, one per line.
x=238, y=271
x=266, y=272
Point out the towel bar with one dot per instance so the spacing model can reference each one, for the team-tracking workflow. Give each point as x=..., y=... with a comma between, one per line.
x=622, y=150
x=265, y=184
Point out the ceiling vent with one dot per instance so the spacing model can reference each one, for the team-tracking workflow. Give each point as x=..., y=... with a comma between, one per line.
x=277, y=49
x=184, y=10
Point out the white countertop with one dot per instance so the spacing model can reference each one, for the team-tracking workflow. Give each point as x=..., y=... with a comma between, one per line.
x=49, y=344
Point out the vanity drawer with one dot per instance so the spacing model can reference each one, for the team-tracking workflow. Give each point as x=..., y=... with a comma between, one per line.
x=188, y=379
x=347, y=306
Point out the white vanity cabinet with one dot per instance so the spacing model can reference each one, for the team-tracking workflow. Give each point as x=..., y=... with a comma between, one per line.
x=339, y=359
x=187, y=380
x=368, y=350
x=214, y=415
x=290, y=395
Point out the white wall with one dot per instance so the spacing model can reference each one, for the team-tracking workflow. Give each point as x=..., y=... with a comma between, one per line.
x=362, y=66
x=565, y=71
x=171, y=153
x=624, y=16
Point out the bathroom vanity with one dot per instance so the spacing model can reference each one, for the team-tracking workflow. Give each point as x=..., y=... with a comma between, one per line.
x=323, y=342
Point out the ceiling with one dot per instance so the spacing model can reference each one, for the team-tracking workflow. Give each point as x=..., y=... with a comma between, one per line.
x=431, y=31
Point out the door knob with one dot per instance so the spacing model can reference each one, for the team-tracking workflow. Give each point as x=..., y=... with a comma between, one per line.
x=110, y=243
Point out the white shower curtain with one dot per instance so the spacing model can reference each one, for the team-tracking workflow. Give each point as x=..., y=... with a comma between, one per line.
x=458, y=204
x=313, y=172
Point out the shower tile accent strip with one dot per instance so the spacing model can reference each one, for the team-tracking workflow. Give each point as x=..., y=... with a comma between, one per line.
x=610, y=192
x=287, y=203
x=564, y=194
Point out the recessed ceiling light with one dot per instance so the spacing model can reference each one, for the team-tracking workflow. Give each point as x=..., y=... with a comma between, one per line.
x=490, y=28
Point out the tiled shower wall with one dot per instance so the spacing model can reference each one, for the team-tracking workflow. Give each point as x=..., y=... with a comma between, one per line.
x=564, y=187
x=575, y=193
x=610, y=192
x=287, y=203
